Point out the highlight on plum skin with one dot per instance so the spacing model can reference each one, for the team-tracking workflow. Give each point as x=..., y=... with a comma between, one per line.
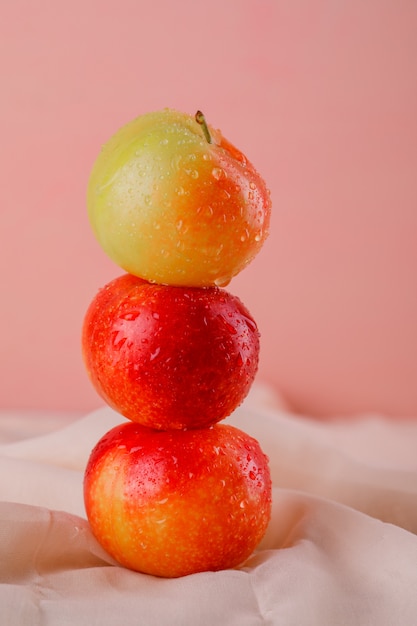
x=170, y=357
x=173, y=503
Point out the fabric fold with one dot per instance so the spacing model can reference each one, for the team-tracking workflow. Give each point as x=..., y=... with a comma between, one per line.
x=341, y=548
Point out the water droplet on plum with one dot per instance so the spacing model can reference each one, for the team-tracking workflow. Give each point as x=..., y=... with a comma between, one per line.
x=156, y=351
x=244, y=236
x=222, y=281
x=218, y=173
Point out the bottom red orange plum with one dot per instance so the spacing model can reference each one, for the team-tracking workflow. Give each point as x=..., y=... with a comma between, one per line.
x=172, y=503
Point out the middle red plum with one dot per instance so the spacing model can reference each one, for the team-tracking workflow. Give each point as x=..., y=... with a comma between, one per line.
x=170, y=357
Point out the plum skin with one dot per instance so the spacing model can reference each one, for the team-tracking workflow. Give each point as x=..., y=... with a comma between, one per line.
x=169, y=207
x=173, y=503
x=169, y=357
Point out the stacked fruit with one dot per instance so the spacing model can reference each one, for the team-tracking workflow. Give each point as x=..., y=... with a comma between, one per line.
x=171, y=491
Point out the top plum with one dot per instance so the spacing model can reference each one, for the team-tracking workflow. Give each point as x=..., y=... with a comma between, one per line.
x=171, y=201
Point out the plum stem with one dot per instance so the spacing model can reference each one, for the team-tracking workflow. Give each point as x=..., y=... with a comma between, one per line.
x=200, y=119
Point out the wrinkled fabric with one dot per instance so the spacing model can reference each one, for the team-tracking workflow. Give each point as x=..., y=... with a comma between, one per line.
x=340, y=550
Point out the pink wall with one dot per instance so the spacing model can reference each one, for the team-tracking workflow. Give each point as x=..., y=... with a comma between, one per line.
x=322, y=97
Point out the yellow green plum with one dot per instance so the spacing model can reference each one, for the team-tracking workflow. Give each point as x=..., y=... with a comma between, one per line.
x=172, y=201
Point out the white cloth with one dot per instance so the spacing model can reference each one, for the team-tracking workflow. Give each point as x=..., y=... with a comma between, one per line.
x=341, y=548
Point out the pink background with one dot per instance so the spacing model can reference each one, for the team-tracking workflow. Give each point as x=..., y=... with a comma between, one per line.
x=321, y=95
